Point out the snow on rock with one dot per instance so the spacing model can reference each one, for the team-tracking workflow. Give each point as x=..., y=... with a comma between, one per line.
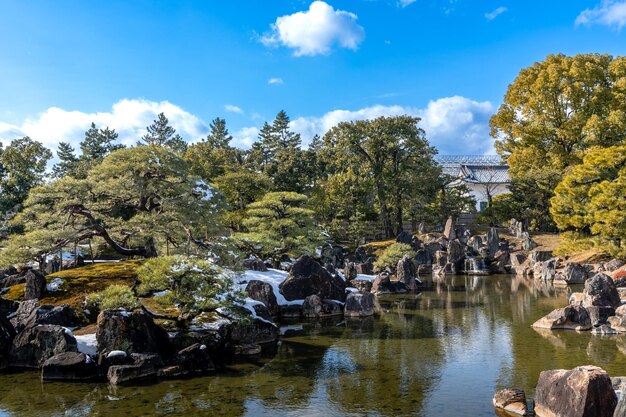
x=273, y=277
x=87, y=344
x=364, y=277
x=65, y=255
x=116, y=353
x=55, y=285
x=249, y=305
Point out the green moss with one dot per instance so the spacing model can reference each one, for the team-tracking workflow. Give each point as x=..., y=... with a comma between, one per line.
x=15, y=293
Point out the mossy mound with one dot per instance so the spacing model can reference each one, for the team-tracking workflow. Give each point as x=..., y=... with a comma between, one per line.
x=378, y=247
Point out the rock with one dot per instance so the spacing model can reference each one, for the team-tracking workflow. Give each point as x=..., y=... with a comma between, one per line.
x=539, y=256
x=456, y=254
x=263, y=292
x=511, y=400
x=15, y=279
x=254, y=264
x=567, y=318
x=365, y=268
x=493, y=241
x=359, y=305
x=407, y=273
x=131, y=332
x=422, y=257
x=26, y=314
x=463, y=234
x=601, y=291
x=475, y=243
x=599, y=314
x=617, y=323
x=254, y=333
x=576, y=299
x=404, y=237
x=604, y=329
x=383, y=285
x=307, y=277
x=349, y=271
x=361, y=254
x=62, y=315
x=145, y=366
x=69, y=366
x=35, y=285
x=527, y=242
x=613, y=265
x=516, y=259
x=7, y=334
x=8, y=306
x=574, y=273
x=35, y=345
x=585, y=391
x=448, y=230
x=314, y=307
x=545, y=270
x=291, y=312
x=363, y=285
x=192, y=360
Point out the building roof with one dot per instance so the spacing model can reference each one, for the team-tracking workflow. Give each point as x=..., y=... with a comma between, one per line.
x=477, y=169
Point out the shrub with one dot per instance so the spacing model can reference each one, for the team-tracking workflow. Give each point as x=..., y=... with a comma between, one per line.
x=392, y=255
x=194, y=285
x=113, y=297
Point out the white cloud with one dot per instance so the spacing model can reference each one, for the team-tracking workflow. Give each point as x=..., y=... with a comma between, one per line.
x=609, y=13
x=404, y=3
x=245, y=137
x=495, y=13
x=233, y=109
x=316, y=31
x=129, y=118
x=275, y=80
x=455, y=125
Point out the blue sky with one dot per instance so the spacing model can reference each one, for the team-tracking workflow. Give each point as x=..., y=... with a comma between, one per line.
x=64, y=64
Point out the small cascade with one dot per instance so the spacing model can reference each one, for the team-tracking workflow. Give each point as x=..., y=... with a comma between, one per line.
x=475, y=265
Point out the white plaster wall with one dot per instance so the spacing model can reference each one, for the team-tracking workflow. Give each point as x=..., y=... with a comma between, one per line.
x=478, y=192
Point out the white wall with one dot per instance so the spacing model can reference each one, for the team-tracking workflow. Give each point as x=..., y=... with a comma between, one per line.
x=478, y=192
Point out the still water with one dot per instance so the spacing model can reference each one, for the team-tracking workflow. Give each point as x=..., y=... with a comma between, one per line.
x=439, y=353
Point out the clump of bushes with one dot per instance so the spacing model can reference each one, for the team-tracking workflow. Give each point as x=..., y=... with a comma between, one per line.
x=391, y=256
x=194, y=285
x=113, y=297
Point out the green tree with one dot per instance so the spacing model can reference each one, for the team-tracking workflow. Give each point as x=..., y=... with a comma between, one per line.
x=161, y=133
x=23, y=165
x=139, y=201
x=553, y=112
x=68, y=161
x=96, y=145
x=389, y=156
x=589, y=203
x=279, y=224
x=240, y=188
x=213, y=156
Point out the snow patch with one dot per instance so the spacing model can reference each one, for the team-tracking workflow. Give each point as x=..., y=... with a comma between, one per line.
x=87, y=344
x=161, y=293
x=116, y=354
x=55, y=285
x=274, y=277
x=249, y=305
x=364, y=277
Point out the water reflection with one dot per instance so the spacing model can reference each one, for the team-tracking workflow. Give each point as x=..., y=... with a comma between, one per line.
x=442, y=352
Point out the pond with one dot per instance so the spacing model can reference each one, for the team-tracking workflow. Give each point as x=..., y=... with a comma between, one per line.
x=438, y=353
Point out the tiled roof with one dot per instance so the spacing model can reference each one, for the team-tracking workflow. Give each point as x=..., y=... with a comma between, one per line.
x=478, y=169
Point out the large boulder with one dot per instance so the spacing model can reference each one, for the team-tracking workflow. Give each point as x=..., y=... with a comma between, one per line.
x=567, y=318
x=192, y=360
x=349, y=271
x=511, y=400
x=456, y=254
x=493, y=241
x=574, y=273
x=423, y=257
x=363, y=285
x=35, y=345
x=131, y=332
x=585, y=391
x=69, y=366
x=62, y=315
x=545, y=270
x=308, y=277
x=366, y=267
x=314, y=307
x=145, y=366
x=25, y=315
x=8, y=307
x=539, y=256
x=254, y=264
x=263, y=292
x=448, y=230
x=600, y=291
x=383, y=285
x=35, y=286
x=407, y=273
x=359, y=305
x=404, y=237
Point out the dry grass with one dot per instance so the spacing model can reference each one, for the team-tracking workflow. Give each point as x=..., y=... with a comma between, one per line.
x=379, y=247
x=591, y=256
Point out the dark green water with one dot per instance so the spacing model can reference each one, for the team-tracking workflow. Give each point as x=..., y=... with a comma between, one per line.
x=439, y=353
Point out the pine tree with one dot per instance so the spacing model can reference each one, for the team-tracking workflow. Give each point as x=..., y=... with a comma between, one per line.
x=218, y=137
x=68, y=161
x=159, y=132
